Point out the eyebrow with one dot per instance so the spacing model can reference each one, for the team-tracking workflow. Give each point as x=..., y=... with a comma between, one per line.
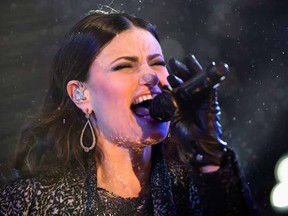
x=135, y=58
x=150, y=57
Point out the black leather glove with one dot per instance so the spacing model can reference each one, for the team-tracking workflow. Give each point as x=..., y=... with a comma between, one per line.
x=196, y=121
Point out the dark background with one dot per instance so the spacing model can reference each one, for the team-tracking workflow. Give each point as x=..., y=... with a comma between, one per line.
x=251, y=36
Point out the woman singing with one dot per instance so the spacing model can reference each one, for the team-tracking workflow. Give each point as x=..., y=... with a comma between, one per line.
x=95, y=149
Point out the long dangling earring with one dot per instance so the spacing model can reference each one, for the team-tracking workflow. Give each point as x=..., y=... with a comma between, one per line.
x=88, y=123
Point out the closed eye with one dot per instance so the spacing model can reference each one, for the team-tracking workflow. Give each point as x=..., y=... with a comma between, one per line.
x=121, y=66
x=159, y=63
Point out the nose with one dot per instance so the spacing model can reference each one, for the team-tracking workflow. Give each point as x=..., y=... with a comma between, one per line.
x=150, y=79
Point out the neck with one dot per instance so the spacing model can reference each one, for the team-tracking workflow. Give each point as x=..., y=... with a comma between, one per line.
x=124, y=171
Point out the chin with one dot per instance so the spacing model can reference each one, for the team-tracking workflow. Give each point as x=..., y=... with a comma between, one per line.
x=155, y=138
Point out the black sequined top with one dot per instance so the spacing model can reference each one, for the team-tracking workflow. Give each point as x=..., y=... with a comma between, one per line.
x=173, y=191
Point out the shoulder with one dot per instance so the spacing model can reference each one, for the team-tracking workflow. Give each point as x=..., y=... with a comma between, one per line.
x=16, y=197
x=42, y=194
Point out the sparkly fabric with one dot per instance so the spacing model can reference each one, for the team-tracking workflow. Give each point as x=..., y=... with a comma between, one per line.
x=115, y=205
x=172, y=192
x=225, y=192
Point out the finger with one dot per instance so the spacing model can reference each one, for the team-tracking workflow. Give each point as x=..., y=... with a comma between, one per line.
x=174, y=81
x=179, y=69
x=194, y=67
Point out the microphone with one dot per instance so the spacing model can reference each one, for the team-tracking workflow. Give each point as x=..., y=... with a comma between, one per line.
x=164, y=106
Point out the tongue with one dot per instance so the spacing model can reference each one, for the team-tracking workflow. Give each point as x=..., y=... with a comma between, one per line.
x=141, y=111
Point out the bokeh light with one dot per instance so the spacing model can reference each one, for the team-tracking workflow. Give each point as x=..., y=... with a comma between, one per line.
x=279, y=194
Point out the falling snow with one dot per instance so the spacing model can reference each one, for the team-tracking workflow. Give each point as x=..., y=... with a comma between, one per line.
x=251, y=36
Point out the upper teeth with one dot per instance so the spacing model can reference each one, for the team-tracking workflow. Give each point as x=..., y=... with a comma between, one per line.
x=142, y=98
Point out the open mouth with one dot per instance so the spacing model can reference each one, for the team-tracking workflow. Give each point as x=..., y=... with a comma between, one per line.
x=141, y=106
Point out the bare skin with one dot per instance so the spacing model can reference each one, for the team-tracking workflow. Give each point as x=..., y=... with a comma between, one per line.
x=125, y=172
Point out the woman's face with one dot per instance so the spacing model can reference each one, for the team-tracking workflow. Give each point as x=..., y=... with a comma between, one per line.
x=129, y=69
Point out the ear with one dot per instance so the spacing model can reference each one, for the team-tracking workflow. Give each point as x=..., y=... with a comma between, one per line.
x=79, y=94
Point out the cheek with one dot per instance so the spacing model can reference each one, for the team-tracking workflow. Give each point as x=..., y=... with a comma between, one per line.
x=109, y=98
x=163, y=77
x=104, y=100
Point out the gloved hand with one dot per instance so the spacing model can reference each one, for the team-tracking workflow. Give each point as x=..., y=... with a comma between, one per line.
x=196, y=122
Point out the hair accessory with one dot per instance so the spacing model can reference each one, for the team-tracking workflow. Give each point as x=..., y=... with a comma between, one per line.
x=79, y=92
x=88, y=123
